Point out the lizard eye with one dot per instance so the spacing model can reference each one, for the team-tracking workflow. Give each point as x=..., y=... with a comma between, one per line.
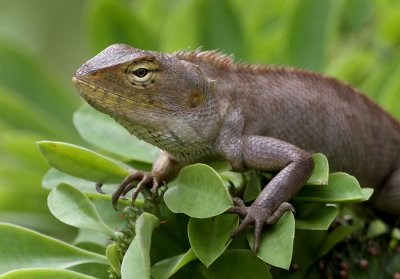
x=142, y=73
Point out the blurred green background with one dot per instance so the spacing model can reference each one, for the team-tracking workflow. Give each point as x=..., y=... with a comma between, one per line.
x=42, y=42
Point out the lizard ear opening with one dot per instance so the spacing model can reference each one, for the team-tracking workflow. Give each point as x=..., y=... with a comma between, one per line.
x=196, y=98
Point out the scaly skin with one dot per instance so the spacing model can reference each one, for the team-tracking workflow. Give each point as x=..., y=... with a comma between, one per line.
x=199, y=105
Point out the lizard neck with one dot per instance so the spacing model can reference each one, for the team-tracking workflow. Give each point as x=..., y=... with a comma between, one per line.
x=169, y=141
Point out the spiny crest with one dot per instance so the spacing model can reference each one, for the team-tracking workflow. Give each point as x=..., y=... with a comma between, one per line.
x=214, y=57
x=219, y=59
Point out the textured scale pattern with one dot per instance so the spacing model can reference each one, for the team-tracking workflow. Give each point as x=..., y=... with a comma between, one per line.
x=201, y=105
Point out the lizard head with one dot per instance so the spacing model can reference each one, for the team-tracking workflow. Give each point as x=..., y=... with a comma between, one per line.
x=156, y=96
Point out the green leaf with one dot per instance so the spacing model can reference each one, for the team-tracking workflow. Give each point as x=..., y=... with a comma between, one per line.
x=320, y=174
x=309, y=33
x=315, y=216
x=92, y=269
x=210, y=237
x=184, y=17
x=115, y=22
x=72, y=207
x=219, y=166
x=18, y=112
x=276, y=246
x=238, y=264
x=236, y=179
x=212, y=24
x=377, y=227
x=112, y=255
x=253, y=186
x=23, y=248
x=220, y=27
x=81, y=162
x=341, y=188
x=54, y=177
x=136, y=262
x=389, y=96
x=44, y=273
x=168, y=267
x=51, y=96
x=198, y=192
x=101, y=130
x=366, y=193
x=333, y=238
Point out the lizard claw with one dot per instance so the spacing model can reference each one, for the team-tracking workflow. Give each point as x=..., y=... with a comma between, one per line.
x=98, y=188
x=258, y=216
x=125, y=186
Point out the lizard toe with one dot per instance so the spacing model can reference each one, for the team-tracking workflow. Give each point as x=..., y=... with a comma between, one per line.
x=98, y=188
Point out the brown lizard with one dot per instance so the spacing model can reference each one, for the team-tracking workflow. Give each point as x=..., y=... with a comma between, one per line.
x=197, y=105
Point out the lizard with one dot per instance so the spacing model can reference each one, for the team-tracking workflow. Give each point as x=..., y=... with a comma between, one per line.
x=197, y=105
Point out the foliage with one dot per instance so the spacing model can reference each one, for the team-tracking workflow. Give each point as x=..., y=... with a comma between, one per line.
x=199, y=191
x=353, y=40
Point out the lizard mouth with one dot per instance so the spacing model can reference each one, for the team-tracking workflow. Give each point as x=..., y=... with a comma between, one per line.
x=96, y=95
x=85, y=88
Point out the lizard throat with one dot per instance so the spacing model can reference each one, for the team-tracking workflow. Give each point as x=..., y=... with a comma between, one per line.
x=161, y=135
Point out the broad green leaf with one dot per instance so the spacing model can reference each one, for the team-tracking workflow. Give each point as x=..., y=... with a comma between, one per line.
x=356, y=13
x=136, y=262
x=238, y=264
x=18, y=148
x=320, y=174
x=55, y=177
x=276, y=246
x=333, y=238
x=51, y=96
x=86, y=238
x=23, y=248
x=102, y=131
x=315, y=216
x=186, y=18
x=72, y=207
x=198, y=192
x=376, y=227
x=253, y=186
x=18, y=112
x=366, y=193
x=210, y=237
x=168, y=267
x=236, y=179
x=44, y=273
x=309, y=33
x=81, y=162
x=116, y=24
x=92, y=269
x=220, y=27
x=112, y=255
x=390, y=96
x=341, y=188
x=219, y=166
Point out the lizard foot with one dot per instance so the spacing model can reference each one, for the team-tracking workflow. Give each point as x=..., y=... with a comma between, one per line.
x=144, y=179
x=257, y=215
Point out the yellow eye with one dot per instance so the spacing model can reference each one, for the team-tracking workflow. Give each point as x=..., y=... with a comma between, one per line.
x=142, y=73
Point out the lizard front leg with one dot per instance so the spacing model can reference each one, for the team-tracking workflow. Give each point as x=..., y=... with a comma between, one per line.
x=165, y=168
x=268, y=154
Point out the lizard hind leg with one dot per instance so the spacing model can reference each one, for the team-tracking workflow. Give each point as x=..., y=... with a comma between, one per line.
x=386, y=200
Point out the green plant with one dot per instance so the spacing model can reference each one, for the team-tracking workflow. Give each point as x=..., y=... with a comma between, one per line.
x=356, y=41
x=197, y=240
